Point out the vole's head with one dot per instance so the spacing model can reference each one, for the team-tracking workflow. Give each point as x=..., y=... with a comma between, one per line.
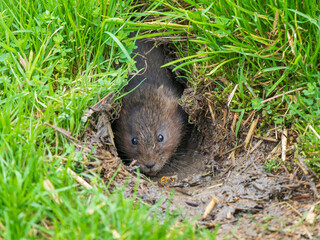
x=150, y=127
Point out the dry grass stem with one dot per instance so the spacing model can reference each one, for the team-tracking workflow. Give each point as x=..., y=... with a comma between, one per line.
x=251, y=131
x=82, y=182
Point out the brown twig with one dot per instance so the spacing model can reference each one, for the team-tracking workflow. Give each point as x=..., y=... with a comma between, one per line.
x=63, y=132
x=209, y=207
x=282, y=94
x=232, y=149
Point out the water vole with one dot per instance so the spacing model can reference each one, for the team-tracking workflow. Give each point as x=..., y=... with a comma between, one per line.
x=151, y=122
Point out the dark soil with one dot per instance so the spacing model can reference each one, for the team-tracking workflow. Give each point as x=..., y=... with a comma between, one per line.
x=251, y=203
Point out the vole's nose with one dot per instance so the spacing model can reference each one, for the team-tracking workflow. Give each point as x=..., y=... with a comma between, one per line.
x=150, y=166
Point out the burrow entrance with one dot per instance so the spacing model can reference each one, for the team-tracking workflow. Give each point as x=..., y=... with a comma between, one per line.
x=251, y=194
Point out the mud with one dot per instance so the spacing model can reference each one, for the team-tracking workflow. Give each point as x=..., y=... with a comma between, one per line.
x=252, y=203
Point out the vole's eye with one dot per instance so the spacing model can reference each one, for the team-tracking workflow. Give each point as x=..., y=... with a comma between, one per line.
x=134, y=141
x=160, y=138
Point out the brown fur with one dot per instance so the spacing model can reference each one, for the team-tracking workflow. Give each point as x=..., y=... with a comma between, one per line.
x=148, y=111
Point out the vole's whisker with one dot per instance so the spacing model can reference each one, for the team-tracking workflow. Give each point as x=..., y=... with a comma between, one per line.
x=175, y=167
x=180, y=164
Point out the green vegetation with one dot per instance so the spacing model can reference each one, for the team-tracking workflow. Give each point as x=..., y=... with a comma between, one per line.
x=59, y=57
x=272, y=165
